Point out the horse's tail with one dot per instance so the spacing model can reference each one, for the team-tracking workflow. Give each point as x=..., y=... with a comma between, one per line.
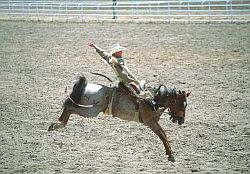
x=78, y=89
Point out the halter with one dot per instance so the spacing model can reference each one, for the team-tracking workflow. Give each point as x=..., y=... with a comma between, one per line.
x=168, y=93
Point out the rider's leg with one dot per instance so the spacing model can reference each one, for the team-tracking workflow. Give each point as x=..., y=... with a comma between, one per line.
x=143, y=94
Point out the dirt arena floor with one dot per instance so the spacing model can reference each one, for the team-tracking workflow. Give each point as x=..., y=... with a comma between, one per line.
x=38, y=60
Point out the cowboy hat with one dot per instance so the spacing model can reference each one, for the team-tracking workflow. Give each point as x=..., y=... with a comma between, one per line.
x=116, y=47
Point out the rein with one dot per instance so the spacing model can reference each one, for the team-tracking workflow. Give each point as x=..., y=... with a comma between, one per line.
x=102, y=76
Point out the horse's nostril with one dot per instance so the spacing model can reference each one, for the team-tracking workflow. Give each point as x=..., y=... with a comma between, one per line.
x=181, y=121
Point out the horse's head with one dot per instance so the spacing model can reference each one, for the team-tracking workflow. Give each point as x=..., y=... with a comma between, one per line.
x=175, y=101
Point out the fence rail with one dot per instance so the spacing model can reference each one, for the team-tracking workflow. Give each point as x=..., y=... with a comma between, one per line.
x=169, y=11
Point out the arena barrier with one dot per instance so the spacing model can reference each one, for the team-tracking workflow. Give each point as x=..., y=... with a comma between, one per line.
x=191, y=11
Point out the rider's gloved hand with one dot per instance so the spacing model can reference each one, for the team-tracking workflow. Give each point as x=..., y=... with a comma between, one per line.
x=90, y=44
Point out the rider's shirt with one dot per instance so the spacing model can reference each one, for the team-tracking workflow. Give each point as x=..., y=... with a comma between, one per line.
x=121, y=61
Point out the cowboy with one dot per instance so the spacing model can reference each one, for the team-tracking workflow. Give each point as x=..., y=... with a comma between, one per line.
x=122, y=72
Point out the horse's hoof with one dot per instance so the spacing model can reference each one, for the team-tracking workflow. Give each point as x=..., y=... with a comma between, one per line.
x=51, y=127
x=55, y=126
x=171, y=158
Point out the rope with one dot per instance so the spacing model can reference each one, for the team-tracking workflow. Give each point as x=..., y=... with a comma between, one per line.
x=77, y=104
x=85, y=106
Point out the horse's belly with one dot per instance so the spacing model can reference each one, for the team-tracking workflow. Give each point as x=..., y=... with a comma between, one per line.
x=126, y=109
x=90, y=111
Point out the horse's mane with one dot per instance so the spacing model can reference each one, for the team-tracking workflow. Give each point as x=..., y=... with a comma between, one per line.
x=165, y=90
x=162, y=93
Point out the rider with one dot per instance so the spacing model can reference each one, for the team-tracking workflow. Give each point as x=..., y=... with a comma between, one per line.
x=124, y=75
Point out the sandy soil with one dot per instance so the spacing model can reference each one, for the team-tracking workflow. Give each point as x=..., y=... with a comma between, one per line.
x=39, y=59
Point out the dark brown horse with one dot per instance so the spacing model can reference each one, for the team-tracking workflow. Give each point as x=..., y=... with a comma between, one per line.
x=89, y=100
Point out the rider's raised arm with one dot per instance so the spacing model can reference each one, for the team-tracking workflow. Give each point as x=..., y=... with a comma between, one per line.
x=105, y=55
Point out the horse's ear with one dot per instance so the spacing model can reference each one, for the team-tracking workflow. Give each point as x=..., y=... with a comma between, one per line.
x=188, y=94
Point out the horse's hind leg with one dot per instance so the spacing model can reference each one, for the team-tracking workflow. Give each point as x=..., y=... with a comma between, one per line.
x=156, y=128
x=63, y=120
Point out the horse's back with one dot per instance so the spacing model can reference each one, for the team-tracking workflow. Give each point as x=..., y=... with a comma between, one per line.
x=93, y=100
x=95, y=89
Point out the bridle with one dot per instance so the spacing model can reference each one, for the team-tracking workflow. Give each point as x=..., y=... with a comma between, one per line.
x=168, y=99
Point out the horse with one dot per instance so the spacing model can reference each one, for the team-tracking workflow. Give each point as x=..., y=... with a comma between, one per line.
x=89, y=100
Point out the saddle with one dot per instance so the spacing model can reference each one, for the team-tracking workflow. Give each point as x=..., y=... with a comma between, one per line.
x=152, y=104
x=123, y=89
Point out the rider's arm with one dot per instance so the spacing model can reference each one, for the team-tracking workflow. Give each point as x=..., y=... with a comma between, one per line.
x=105, y=55
x=129, y=74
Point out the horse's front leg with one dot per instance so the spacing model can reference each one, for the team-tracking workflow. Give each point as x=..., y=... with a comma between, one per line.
x=63, y=120
x=157, y=129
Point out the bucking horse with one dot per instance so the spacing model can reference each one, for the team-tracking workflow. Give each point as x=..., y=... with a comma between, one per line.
x=89, y=100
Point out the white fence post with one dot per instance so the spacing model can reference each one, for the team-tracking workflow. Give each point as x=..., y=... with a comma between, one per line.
x=231, y=10
x=188, y=12
x=169, y=12
x=98, y=11
x=209, y=10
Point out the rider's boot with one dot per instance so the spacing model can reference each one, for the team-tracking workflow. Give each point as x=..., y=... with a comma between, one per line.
x=154, y=106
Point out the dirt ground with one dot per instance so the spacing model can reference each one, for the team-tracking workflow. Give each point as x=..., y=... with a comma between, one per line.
x=38, y=60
